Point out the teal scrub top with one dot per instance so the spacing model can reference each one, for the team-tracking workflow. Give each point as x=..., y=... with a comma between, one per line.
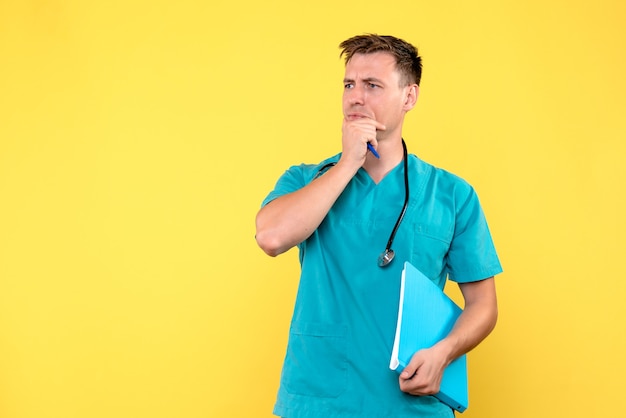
x=344, y=320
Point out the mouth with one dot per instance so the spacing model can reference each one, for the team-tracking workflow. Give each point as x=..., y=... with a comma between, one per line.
x=356, y=115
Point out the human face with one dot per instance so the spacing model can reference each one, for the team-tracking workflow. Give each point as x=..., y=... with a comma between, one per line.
x=372, y=90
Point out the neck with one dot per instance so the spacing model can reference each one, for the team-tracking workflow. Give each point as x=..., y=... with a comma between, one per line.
x=391, y=154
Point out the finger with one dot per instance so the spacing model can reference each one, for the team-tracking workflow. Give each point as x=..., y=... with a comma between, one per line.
x=414, y=386
x=409, y=371
x=414, y=364
x=360, y=127
x=369, y=121
x=375, y=124
x=418, y=385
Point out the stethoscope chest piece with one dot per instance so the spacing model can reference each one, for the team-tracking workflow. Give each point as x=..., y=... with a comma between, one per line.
x=386, y=257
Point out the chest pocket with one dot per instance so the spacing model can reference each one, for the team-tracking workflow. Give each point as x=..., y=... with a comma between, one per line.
x=431, y=243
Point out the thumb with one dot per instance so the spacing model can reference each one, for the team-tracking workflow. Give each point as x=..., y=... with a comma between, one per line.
x=411, y=368
x=409, y=371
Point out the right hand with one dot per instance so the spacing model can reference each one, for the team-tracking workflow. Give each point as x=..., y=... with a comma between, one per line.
x=356, y=133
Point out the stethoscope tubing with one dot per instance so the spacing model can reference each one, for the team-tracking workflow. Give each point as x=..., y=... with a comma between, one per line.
x=406, y=199
x=388, y=255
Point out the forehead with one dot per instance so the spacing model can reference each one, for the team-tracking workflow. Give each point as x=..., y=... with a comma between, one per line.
x=377, y=65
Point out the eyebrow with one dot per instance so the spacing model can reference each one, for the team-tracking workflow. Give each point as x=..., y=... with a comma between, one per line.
x=365, y=80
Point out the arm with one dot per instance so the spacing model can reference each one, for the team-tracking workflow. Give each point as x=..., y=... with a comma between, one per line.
x=292, y=218
x=423, y=374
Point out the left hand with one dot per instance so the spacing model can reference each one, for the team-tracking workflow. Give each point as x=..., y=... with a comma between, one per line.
x=422, y=376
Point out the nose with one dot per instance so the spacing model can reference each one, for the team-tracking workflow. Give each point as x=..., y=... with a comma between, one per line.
x=355, y=95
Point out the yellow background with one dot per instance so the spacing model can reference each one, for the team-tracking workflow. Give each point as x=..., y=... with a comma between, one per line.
x=138, y=138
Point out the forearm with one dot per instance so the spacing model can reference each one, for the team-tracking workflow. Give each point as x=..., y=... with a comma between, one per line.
x=423, y=374
x=290, y=219
x=478, y=319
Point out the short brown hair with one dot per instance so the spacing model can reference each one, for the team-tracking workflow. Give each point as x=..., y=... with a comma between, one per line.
x=408, y=61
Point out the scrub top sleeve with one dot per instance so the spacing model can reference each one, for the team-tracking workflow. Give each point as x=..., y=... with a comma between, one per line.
x=293, y=179
x=472, y=255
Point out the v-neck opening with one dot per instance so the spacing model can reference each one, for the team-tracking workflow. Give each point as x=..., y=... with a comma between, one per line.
x=365, y=174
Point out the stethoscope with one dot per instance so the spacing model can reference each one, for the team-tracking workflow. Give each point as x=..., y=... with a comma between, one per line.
x=388, y=255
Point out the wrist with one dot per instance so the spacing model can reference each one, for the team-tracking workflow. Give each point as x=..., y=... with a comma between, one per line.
x=347, y=167
x=446, y=350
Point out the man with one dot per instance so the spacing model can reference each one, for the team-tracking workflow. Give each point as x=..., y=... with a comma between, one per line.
x=339, y=213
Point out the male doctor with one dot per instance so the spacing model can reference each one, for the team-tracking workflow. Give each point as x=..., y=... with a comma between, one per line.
x=341, y=214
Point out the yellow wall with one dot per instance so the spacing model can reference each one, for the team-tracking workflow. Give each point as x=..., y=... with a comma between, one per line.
x=138, y=138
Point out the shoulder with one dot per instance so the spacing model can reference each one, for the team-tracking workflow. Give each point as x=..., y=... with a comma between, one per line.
x=296, y=177
x=438, y=179
x=306, y=172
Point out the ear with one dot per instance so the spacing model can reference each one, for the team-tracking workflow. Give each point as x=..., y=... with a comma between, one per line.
x=412, y=92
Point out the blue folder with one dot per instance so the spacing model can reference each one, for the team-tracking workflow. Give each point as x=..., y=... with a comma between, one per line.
x=425, y=316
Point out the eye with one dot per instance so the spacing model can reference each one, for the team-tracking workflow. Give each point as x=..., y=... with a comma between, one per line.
x=348, y=85
x=373, y=86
